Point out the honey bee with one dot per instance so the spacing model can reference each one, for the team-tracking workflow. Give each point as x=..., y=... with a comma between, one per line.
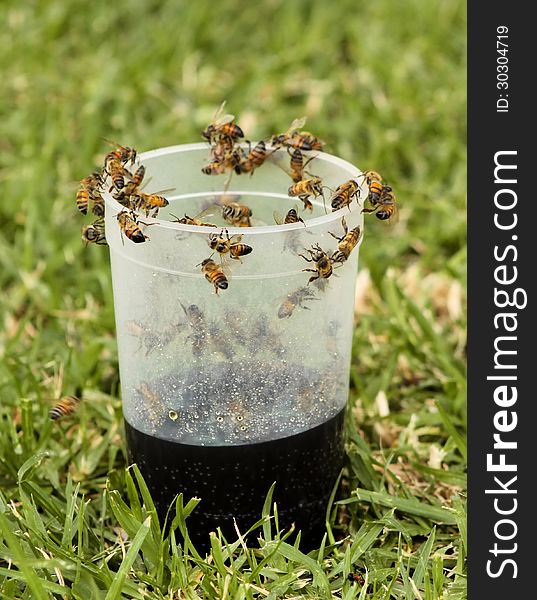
x=131, y=188
x=323, y=264
x=293, y=138
x=197, y=322
x=237, y=214
x=82, y=200
x=385, y=206
x=94, y=233
x=376, y=187
x=214, y=274
x=222, y=126
x=148, y=203
x=294, y=299
x=344, y=194
x=186, y=220
x=214, y=168
x=220, y=342
x=117, y=173
x=128, y=225
x=297, y=165
x=255, y=158
x=306, y=188
x=223, y=245
x=122, y=153
x=90, y=190
x=300, y=140
x=304, y=140
x=355, y=578
x=290, y=217
x=347, y=242
x=152, y=403
x=332, y=338
x=147, y=338
x=64, y=407
x=97, y=207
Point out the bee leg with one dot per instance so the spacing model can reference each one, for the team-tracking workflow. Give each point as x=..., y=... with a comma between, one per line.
x=336, y=237
x=313, y=278
x=312, y=270
x=369, y=210
x=305, y=258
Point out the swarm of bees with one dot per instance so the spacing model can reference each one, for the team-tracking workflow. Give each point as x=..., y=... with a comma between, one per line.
x=230, y=153
x=125, y=188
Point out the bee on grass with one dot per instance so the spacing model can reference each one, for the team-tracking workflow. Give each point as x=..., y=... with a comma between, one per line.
x=323, y=264
x=65, y=407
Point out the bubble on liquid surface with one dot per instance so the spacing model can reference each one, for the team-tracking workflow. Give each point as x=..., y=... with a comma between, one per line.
x=228, y=404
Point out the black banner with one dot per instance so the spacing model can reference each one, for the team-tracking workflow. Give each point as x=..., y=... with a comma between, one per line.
x=502, y=238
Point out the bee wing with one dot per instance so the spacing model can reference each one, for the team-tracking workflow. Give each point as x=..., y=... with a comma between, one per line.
x=226, y=268
x=117, y=144
x=278, y=217
x=297, y=124
x=225, y=199
x=207, y=212
x=235, y=239
x=220, y=118
x=162, y=191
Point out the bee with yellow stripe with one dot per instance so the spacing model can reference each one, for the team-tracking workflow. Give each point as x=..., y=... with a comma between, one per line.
x=323, y=263
x=306, y=188
x=128, y=225
x=255, y=158
x=64, y=407
x=385, y=206
x=347, y=242
x=94, y=233
x=344, y=194
x=148, y=203
x=290, y=217
x=90, y=190
x=236, y=214
x=223, y=244
x=214, y=274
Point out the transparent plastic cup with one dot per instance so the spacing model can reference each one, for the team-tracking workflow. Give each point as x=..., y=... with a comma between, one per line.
x=225, y=393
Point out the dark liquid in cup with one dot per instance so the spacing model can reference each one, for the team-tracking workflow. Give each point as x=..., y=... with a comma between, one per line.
x=232, y=481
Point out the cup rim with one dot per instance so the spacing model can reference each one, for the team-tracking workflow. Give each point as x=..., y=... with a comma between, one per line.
x=328, y=218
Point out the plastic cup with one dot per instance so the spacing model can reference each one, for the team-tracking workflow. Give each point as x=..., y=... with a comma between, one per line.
x=225, y=393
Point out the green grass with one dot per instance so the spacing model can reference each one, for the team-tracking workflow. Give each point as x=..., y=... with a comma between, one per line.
x=384, y=84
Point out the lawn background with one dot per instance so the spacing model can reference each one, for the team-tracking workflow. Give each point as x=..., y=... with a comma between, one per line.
x=383, y=83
